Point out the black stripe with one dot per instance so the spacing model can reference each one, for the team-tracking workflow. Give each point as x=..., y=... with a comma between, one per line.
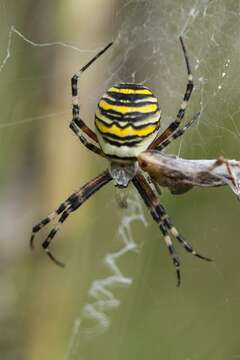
x=132, y=158
x=163, y=144
x=129, y=97
x=38, y=227
x=128, y=144
x=188, y=91
x=180, y=114
x=130, y=86
x=173, y=126
x=74, y=82
x=130, y=104
x=131, y=116
x=127, y=124
x=50, y=236
x=116, y=137
x=163, y=230
x=96, y=57
x=75, y=110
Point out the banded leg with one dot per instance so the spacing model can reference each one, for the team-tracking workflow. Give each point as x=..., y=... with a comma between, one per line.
x=188, y=247
x=76, y=120
x=160, y=216
x=156, y=210
x=76, y=129
x=72, y=203
x=172, y=252
x=178, y=133
x=180, y=115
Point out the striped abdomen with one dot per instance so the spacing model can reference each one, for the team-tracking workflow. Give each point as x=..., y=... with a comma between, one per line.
x=127, y=120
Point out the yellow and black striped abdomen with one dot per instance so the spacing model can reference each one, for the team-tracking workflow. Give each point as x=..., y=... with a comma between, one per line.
x=127, y=120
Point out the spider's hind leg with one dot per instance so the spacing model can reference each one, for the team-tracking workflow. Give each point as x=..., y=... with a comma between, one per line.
x=162, y=219
x=156, y=210
x=172, y=252
x=72, y=203
x=188, y=247
x=36, y=228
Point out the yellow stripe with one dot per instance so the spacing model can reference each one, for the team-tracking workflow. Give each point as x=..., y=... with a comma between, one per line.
x=128, y=131
x=127, y=109
x=131, y=91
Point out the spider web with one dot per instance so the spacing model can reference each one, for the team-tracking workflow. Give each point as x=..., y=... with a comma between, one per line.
x=147, y=51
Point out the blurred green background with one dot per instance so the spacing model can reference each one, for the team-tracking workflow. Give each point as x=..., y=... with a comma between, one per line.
x=41, y=163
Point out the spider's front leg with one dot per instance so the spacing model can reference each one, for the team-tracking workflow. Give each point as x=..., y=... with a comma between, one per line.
x=77, y=125
x=72, y=203
x=162, y=219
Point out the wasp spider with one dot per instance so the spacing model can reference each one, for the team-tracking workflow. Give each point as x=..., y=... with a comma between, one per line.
x=127, y=122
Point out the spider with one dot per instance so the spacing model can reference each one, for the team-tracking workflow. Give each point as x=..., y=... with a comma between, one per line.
x=127, y=122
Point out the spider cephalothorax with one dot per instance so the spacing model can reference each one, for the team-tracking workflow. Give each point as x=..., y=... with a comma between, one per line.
x=127, y=123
